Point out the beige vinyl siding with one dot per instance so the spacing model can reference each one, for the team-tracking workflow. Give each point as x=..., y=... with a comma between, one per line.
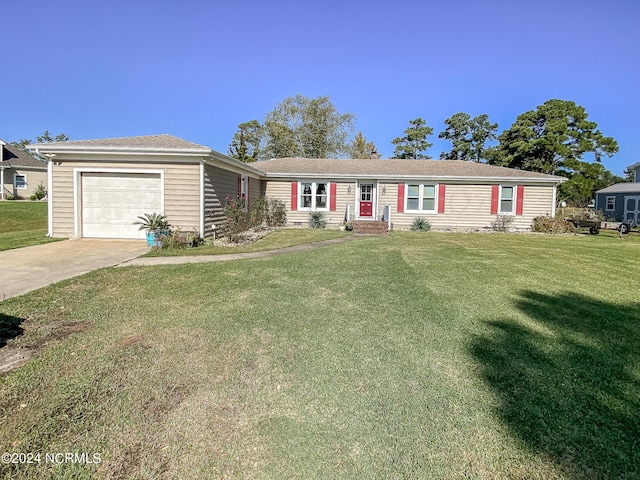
x=181, y=191
x=218, y=183
x=468, y=207
x=282, y=190
x=255, y=188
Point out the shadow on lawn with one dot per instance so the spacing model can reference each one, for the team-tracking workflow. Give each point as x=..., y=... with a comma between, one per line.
x=567, y=388
x=9, y=328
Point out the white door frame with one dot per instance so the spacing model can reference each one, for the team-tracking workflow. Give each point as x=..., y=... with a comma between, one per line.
x=77, y=190
x=374, y=199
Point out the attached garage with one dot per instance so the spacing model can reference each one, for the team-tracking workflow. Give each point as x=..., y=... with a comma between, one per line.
x=112, y=201
x=98, y=188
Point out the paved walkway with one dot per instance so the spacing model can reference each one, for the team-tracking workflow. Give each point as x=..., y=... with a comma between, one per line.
x=29, y=268
x=236, y=256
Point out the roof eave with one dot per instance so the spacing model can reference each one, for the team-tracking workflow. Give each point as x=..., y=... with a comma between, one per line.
x=462, y=178
x=230, y=161
x=43, y=148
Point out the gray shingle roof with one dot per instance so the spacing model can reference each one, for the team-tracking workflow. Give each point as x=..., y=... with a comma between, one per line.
x=627, y=187
x=150, y=142
x=14, y=157
x=394, y=168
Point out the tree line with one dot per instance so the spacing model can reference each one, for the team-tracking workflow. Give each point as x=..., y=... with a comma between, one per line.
x=553, y=139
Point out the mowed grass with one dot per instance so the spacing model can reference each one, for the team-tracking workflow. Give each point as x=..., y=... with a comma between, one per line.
x=23, y=224
x=412, y=356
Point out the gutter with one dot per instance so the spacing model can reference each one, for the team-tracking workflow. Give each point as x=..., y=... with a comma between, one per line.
x=370, y=176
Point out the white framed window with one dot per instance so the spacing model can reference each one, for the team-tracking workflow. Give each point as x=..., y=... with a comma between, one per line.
x=313, y=195
x=19, y=181
x=421, y=197
x=507, y=200
x=611, y=203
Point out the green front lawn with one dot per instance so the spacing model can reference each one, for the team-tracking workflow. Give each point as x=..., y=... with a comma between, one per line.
x=409, y=356
x=23, y=224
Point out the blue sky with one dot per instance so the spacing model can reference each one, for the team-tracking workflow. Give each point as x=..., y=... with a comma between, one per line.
x=196, y=69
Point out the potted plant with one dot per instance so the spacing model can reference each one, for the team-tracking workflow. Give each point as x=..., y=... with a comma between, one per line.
x=156, y=226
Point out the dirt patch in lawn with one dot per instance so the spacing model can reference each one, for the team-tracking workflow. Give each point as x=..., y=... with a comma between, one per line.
x=38, y=332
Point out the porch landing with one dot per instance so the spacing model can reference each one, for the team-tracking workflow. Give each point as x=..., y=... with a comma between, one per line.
x=370, y=227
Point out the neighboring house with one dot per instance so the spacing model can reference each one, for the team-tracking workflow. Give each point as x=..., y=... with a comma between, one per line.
x=451, y=194
x=20, y=173
x=99, y=187
x=621, y=202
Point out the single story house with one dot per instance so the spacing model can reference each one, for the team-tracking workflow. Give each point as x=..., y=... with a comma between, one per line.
x=621, y=202
x=99, y=187
x=20, y=173
x=450, y=194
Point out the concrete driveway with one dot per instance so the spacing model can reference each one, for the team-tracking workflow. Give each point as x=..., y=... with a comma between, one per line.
x=29, y=268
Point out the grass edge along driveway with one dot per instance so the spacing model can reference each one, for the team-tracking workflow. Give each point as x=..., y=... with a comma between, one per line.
x=410, y=356
x=23, y=224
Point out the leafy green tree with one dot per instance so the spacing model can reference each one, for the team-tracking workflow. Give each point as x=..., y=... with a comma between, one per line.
x=361, y=148
x=44, y=138
x=549, y=138
x=308, y=128
x=246, y=142
x=47, y=138
x=414, y=143
x=469, y=136
x=585, y=178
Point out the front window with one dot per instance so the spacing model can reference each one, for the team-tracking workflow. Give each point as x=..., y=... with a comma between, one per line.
x=314, y=195
x=421, y=197
x=507, y=202
x=611, y=203
x=20, y=182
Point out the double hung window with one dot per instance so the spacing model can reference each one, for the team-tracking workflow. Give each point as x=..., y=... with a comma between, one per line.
x=507, y=199
x=314, y=196
x=421, y=197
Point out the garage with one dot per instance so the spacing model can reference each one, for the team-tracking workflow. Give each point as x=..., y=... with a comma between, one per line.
x=112, y=201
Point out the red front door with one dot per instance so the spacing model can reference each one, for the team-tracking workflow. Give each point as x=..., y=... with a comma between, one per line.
x=366, y=200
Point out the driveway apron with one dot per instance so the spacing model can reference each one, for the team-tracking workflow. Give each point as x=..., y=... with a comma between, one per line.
x=29, y=268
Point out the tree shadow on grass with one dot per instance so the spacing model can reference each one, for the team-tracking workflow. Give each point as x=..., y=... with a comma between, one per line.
x=569, y=382
x=9, y=328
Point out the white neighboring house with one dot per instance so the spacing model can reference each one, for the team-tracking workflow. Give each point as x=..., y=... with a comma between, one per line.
x=20, y=173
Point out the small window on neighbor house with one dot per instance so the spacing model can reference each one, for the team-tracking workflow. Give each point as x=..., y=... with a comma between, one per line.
x=20, y=181
x=506, y=199
x=611, y=203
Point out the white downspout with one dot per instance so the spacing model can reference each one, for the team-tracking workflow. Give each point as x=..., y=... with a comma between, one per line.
x=2, y=182
x=202, y=232
x=553, y=207
x=49, y=196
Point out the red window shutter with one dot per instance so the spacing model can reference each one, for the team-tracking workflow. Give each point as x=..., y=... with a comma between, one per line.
x=495, y=193
x=519, y=199
x=294, y=196
x=332, y=196
x=401, y=198
x=441, y=190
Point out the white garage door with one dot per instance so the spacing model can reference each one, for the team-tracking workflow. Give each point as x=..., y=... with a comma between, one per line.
x=111, y=202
